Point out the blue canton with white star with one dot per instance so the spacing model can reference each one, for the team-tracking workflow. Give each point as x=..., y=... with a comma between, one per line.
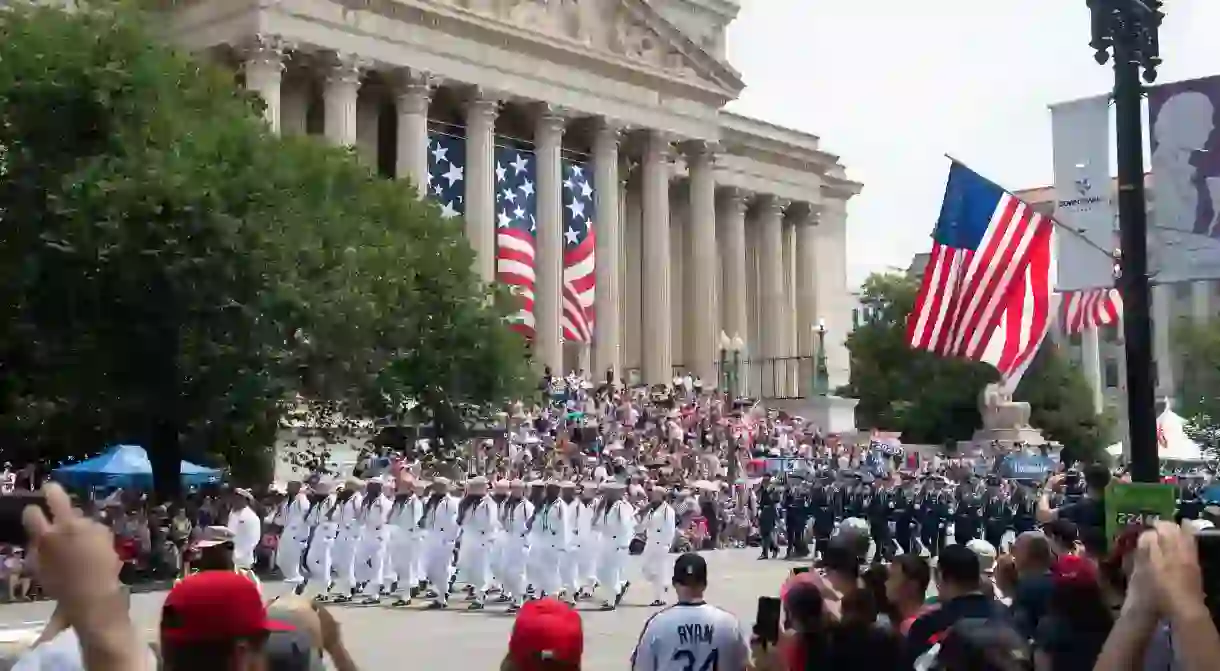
x=516, y=198
x=447, y=172
x=578, y=194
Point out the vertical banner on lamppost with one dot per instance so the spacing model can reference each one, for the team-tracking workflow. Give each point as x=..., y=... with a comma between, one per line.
x=1080, y=133
x=1184, y=240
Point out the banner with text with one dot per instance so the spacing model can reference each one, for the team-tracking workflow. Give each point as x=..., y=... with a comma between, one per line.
x=1080, y=132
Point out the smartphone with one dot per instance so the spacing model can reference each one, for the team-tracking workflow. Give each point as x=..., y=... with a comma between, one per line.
x=797, y=570
x=12, y=531
x=766, y=621
x=1208, y=543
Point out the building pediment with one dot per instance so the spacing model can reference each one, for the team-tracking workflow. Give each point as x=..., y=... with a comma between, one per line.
x=624, y=30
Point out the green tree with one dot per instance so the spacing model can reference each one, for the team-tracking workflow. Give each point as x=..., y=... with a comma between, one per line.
x=1198, y=345
x=178, y=277
x=1061, y=404
x=934, y=400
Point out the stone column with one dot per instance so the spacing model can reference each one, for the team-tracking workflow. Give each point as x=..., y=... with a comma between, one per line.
x=548, y=271
x=771, y=292
x=732, y=219
x=655, y=345
x=413, y=96
x=806, y=294
x=264, y=68
x=1090, y=359
x=339, y=96
x=701, y=224
x=1162, y=323
x=1200, y=300
x=790, y=362
x=608, y=242
x=481, y=111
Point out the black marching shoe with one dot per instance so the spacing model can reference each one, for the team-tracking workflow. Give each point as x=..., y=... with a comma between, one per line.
x=370, y=601
x=475, y=605
x=400, y=603
x=618, y=598
x=437, y=605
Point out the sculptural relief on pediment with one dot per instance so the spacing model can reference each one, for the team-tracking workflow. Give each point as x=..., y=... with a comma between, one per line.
x=603, y=25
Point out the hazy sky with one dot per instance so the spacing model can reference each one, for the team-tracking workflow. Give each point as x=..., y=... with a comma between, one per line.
x=893, y=85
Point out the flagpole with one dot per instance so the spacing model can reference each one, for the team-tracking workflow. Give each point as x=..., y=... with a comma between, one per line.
x=1109, y=253
x=1129, y=27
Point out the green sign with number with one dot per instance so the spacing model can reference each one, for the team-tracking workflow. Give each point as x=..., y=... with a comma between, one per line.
x=1138, y=503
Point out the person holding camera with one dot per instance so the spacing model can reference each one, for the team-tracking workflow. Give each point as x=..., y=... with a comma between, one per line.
x=1089, y=511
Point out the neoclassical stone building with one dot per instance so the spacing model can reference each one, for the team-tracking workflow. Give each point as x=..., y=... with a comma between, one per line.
x=720, y=223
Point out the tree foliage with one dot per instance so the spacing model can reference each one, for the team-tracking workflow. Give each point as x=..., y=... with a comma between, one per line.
x=934, y=400
x=1198, y=345
x=178, y=277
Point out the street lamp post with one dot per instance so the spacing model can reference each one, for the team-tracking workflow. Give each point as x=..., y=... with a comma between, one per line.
x=730, y=367
x=1129, y=27
x=821, y=376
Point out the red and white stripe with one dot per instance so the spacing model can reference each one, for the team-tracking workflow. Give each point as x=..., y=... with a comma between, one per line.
x=579, y=287
x=515, y=269
x=966, y=294
x=1027, y=315
x=1089, y=309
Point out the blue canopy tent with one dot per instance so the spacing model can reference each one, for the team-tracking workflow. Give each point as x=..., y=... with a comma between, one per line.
x=128, y=467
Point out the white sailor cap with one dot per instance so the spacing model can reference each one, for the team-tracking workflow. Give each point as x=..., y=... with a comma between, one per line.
x=477, y=481
x=613, y=486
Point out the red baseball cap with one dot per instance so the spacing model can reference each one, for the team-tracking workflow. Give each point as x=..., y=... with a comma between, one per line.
x=1073, y=570
x=215, y=606
x=546, y=629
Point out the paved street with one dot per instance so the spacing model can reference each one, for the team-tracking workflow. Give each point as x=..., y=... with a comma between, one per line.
x=380, y=638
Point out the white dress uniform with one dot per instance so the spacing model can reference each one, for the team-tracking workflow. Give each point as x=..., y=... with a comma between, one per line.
x=614, y=522
x=480, y=525
x=578, y=569
x=440, y=520
x=247, y=531
x=371, y=550
x=515, y=515
x=291, y=518
x=322, y=519
x=406, y=543
x=659, y=525
x=550, y=538
x=344, y=553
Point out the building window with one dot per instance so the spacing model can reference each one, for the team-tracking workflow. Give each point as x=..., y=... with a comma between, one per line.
x=1110, y=374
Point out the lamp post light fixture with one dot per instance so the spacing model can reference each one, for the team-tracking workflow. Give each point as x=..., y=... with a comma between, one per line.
x=821, y=376
x=730, y=363
x=1129, y=28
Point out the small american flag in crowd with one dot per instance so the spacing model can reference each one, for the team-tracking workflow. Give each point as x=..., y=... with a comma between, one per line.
x=446, y=172
x=986, y=293
x=578, y=258
x=516, y=229
x=1089, y=309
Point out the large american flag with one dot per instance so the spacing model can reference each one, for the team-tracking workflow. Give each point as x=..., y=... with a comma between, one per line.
x=1089, y=309
x=578, y=258
x=986, y=293
x=516, y=229
x=447, y=171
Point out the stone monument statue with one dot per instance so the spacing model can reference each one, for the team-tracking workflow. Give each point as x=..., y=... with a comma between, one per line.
x=1005, y=422
x=999, y=411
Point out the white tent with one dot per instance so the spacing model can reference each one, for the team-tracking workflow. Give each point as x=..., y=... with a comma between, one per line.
x=1172, y=442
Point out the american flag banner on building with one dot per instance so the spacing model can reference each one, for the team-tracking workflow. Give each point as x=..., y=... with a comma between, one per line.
x=446, y=172
x=1089, y=309
x=986, y=292
x=578, y=258
x=516, y=229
